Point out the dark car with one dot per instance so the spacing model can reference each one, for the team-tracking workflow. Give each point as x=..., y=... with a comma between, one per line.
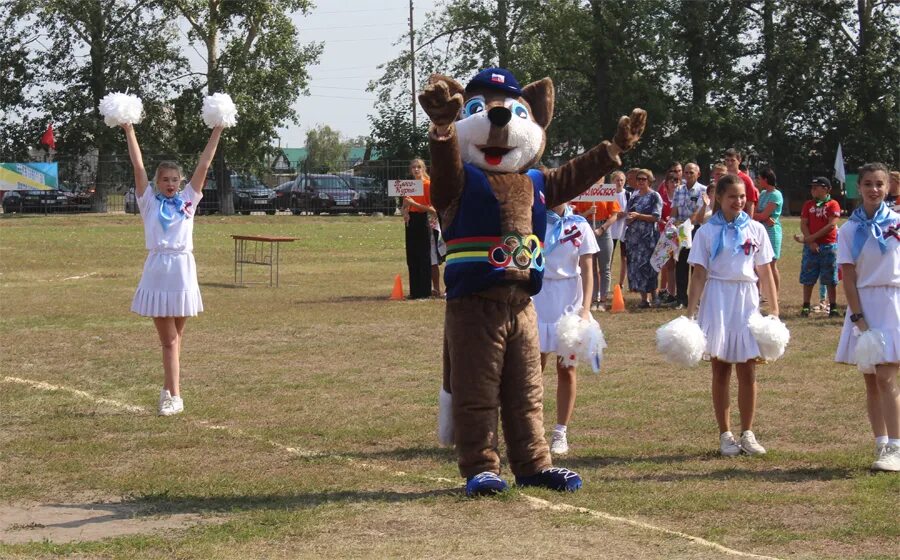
x=81, y=197
x=248, y=193
x=251, y=195
x=319, y=193
x=373, y=196
x=40, y=201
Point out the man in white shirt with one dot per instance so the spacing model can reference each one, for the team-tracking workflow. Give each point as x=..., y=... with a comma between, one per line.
x=688, y=198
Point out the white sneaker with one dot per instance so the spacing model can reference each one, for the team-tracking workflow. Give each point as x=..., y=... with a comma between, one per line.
x=727, y=446
x=169, y=405
x=559, y=445
x=889, y=460
x=749, y=445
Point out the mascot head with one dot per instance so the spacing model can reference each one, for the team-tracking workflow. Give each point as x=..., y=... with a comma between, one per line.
x=501, y=127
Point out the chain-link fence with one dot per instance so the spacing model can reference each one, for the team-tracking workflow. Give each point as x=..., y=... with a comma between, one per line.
x=106, y=185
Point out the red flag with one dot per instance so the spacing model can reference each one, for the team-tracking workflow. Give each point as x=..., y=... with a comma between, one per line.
x=47, y=137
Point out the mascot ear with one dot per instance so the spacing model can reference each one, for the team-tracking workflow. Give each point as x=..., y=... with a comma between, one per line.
x=540, y=95
x=452, y=85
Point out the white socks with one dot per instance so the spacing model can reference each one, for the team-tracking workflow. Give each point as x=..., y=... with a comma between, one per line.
x=560, y=428
x=881, y=440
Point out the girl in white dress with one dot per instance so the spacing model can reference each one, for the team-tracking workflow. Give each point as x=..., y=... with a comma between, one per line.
x=569, y=247
x=730, y=253
x=168, y=291
x=869, y=256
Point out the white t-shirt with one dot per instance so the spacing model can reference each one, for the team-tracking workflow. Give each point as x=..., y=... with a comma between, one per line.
x=872, y=268
x=740, y=267
x=562, y=262
x=617, y=230
x=180, y=234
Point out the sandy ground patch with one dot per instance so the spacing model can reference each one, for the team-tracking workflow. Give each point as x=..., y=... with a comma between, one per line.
x=62, y=523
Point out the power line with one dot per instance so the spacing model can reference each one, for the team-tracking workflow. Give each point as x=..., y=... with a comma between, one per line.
x=342, y=97
x=349, y=26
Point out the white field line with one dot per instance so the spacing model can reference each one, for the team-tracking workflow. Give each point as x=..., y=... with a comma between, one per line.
x=537, y=503
x=80, y=277
x=48, y=387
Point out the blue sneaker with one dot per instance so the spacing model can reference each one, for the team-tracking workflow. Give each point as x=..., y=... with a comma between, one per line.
x=556, y=478
x=484, y=484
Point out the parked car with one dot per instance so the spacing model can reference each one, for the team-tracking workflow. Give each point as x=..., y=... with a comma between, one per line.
x=373, y=196
x=319, y=193
x=251, y=195
x=38, y=201
x=80, y=197
x=248, y=193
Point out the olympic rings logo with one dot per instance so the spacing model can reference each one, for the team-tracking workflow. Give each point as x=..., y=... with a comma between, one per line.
x=518, y=252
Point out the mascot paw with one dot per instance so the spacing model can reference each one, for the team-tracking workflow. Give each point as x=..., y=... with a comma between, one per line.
x=485, y=484
x=556, y=478
x=630, y=129
x=442, y=100
x=445, y=418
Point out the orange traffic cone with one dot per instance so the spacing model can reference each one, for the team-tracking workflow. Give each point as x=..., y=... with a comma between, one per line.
x=618, y=305
x=397, y=292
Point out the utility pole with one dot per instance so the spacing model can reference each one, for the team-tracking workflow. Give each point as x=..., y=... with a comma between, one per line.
x=412, y=63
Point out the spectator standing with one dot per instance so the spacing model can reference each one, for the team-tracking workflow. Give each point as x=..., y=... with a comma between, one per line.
x=818, y=222
x=667, y=280
x=893, y=196
x=732, y=159
x=687, y=201
x=416, y=211
x=617, y=231
x=769, y=214
x=641, y=234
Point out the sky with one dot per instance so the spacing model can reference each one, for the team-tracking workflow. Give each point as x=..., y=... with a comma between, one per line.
x=358, y=35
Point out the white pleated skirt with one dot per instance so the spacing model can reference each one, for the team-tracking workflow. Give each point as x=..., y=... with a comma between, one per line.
x=551, y=303
x=168, y=286
x=881, y=309
x=724, y=314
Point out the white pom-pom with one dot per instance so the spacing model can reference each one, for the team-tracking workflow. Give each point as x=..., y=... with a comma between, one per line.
x=219, y=110
x=869, y=349
x=579, y=338
x=121, y=108
x=681, y=341
x=772, y=336
x=445, y=418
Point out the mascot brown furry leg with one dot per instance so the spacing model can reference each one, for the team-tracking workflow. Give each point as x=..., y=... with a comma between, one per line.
x=485, y=140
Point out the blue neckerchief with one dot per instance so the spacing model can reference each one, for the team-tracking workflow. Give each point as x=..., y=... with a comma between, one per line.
x=177, y=204
x=557, y=223
x=866, y=228
x=738, y=225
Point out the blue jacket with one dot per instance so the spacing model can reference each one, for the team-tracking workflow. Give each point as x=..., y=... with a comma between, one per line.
x=478, y=253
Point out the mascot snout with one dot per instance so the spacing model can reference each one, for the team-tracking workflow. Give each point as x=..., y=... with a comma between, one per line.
x=499, y=116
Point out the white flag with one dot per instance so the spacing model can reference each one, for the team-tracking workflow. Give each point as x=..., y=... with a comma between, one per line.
x=839, y=173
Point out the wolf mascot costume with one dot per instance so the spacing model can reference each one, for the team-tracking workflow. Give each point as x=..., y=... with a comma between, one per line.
x=485, y=140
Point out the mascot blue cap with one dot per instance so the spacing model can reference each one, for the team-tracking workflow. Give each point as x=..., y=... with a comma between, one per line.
x=496, y=78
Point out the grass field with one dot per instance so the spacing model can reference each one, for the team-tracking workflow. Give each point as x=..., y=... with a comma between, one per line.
x=311, y=410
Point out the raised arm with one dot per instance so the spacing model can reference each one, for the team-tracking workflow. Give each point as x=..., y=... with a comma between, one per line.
x=442, y=100
x=137, y=161
x=206, y=158
x=574, y=177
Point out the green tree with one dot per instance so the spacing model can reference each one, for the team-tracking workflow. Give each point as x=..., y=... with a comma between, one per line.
x=127, y=46
x=326, y=151
x=19, y=100
x=253, y=54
